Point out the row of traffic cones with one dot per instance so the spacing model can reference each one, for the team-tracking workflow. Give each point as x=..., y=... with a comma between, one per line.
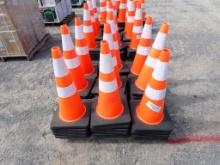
x=112, y=113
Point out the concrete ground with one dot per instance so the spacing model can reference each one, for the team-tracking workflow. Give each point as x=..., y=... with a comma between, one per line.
x=27, y=100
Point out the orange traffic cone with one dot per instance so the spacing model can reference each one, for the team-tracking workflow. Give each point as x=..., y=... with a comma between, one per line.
x=117, y=31
x=111, y=7
x=117, y=52
x=143, y=9
x=111, y=21
x=151, y=108
x=71, y=107
x=88, y=28
x=137, y=27
x=82, y=48
x=107, y=36
x=130, y=13
x=102, y=11
x=122, y=11
x=150, y=62
x=143, y=47
x=117, y=4
x=109, y=103
x=92, y=16
x=96, y=16
x=71, y=60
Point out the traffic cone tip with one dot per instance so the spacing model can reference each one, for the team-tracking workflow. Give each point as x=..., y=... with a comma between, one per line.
x=104, y=47
x=56, y=52
x=138, y=5
x=165, y=27
x=107, y=28
x=149, y=20
x=64, y=29
x=78, y=21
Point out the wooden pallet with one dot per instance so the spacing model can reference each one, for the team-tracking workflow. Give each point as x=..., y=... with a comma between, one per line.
x=30, y=55
x=66, y=20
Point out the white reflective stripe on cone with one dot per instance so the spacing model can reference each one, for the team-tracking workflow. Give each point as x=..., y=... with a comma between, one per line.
x=86, y=15
x=151, y=61
x=108, y=87
x=79, y=32
x=122, y=6
x=114, y=60
x=130, y=5
x=137, y=29
x=92, y=19
x=143, y=51
x=110, y=9
x=147, y=32
x=153, y=106
x=66, y=92
x=82, y=50
x=59, y=66
x=161, y=70
x=130, y=19
x=67, y=42
x=90, y=4
x=94, y=3
x=102, y=9
x=112, y=25
x=72, y=63
x=87, y=29
x=109, y=39
x=106, y=63
x=116, y=27
x=96, y=15
x=138, y=14
x=159, y=42
x=115, y=13
x=116, y=45
x=155, y=94
x=113, y=2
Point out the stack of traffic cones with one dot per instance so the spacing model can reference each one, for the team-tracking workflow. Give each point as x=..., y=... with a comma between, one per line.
x=143, y=65
x=110, y=114
x=89, y=69
x=127, y=94
x=137, y=28
x=121, y=80
x=150, y=120
x=72, y=118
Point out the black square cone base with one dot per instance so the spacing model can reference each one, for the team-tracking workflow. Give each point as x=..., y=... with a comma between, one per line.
x=123, y=51
x=69, y=130
x=120, y=28
x=131, y=54
x=135, y=93
x=121, y=25
x=99, y=38
x=95, y=73
x=86, y=93
x=139, y=130
x=119, y=127
x=125, y=70
x=95, y=53
x=125, y=39
x=123, y=89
